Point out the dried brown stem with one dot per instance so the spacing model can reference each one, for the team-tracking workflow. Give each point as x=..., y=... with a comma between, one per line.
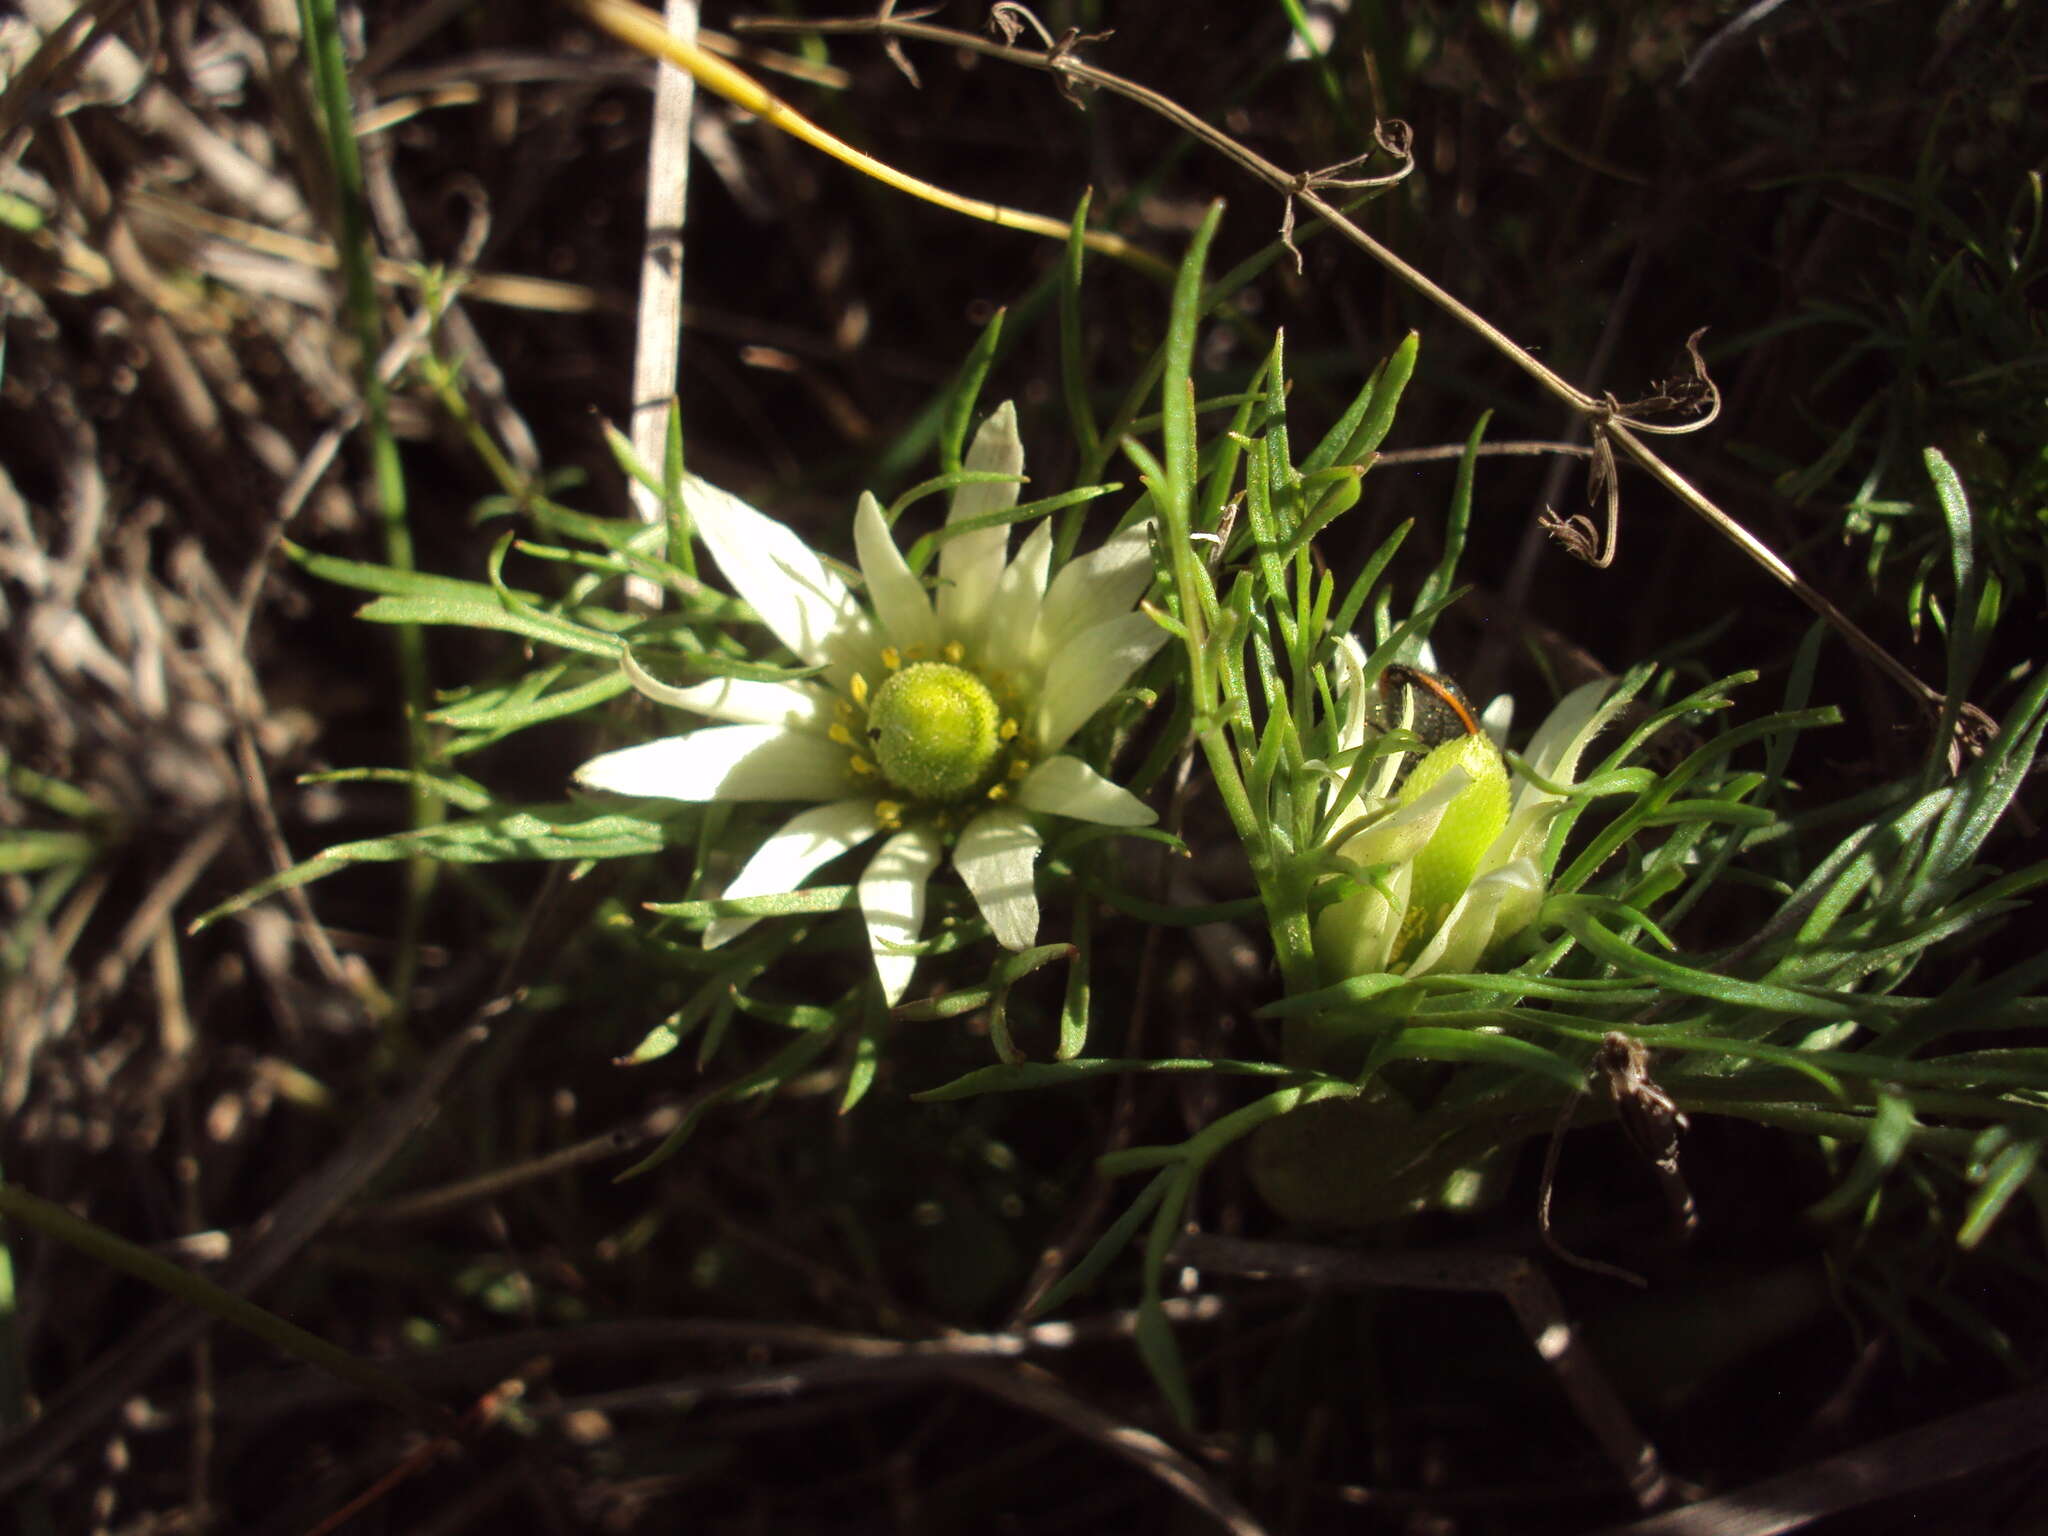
x=1607, y=419
x=1513, y=1278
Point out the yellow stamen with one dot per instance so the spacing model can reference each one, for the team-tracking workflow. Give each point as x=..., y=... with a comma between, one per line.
x=858, y=687
x=1414, y=922
x=861, y=765
x=1007, y=730
x=889, y=813
x=954, y=652
x=891, y=657
x=999, y=792
x=841, y=734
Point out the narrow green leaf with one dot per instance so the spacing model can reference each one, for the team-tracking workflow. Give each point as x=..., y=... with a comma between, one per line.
x=1331, y=450
x=655, y=1044
x=1073, y=359
x=966, y=390
x=1398, y=369
x=1175, y=491
x=52, y=794
x=800, y=1016
x=505, y=711
x=867, y=1052
x=386, y=580
x=1955, y=515
x=1438, y=582
x=1891, y=1132
x=27, y=849
x=1345, y=619
x=785, y=1064
x=919, y=556
x=1114, y=1240
x=1431, y=1043
x=1577, y=919
x=1244, y=909
x=488, y=613
x=456, y=789
x=2004, y=1178
x=1077, y=1004
x=552, y=831
x=814, y=899
x=1157, y=1345
x=1032, y=1075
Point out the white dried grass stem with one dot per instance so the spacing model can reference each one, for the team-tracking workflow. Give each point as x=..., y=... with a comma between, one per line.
x=657, y=347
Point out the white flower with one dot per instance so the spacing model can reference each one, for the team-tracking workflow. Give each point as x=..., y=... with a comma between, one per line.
x=1452, y=853
x=938, y=722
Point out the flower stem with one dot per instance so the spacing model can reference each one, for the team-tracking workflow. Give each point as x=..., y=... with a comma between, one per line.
x=330, y=80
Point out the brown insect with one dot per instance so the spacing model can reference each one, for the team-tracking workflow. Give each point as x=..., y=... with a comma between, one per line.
x=1650, y=1117
x=1427, y=703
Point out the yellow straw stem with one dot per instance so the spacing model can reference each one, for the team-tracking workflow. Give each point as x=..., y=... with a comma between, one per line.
x=642, y=30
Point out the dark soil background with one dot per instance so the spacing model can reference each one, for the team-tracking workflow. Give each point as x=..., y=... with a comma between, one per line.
x=1601, y=180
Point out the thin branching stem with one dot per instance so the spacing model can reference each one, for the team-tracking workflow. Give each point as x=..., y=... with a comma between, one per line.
x=642, y=29
x=1302, y=187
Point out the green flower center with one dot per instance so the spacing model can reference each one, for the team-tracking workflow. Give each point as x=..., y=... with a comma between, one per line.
x=1352, y=935
x=1474, y=818
x=936, y=731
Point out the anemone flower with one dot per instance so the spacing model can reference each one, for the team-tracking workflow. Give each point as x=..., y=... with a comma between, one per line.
x=937, y=718
x=1448, y=855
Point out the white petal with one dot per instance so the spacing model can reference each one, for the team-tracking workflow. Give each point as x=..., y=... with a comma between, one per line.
x=1095, y=588
x=892, y=899
x=1559, y=742
x=1355, y=936
x=1406, y=703
x=970, y=565
x=1351, y=703
x=725, y=762
x=900, y=601
x=1347, y=682
x=1400, y=835
x=796, y=594
x=1493, y=906
x=1013, y=610
x=1386, y=778
x=994, y=856
x=735, y=699
x=1066, y=786
x=786, y=859
x=1086, y=671
x=1528, y=828
x=1521, y=899
x=1568, y=729
x=1498, y=717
